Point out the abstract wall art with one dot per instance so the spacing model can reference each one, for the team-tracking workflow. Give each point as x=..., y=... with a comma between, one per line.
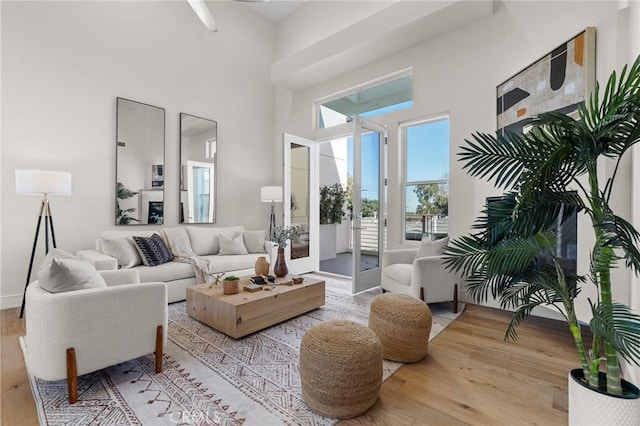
x=559, y=81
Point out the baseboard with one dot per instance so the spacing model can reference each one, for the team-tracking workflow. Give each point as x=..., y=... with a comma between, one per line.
x=13, y=301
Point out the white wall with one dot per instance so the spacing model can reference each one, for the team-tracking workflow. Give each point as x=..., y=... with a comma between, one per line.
x=64, y=64
x=457, y=73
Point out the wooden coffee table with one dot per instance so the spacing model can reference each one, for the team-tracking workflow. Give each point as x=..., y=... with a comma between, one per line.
x=247, y=312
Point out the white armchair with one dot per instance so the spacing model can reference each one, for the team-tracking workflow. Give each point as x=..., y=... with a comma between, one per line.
x=77, y=332
x=421, y=277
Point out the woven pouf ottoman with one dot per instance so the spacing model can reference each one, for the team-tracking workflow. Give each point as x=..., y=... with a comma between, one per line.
x=340, y=368
x=403, y=324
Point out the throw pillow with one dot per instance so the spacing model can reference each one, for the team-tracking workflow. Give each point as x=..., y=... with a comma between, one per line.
x=431, y=248
x=123, y=249
x=232, y=245
x=254, y=241
x=153, y=250
x=62, y=272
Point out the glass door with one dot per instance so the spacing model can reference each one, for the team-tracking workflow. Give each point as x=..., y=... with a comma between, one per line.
x=368, y=203
x=300, y=194
x=200, y=187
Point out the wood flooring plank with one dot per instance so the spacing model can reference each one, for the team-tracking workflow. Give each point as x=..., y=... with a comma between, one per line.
x=471, y=376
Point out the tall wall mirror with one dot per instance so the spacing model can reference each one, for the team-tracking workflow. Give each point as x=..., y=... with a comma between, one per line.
x=198, y=146
x=140, y=132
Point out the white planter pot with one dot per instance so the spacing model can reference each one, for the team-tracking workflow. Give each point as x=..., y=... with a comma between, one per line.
x=590, y=407
x=327, y=242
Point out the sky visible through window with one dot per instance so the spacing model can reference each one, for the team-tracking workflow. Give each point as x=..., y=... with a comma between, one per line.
x=427, y=157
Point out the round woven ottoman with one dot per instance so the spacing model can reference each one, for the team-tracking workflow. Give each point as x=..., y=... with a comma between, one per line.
x=340, y=368
x=403, y=324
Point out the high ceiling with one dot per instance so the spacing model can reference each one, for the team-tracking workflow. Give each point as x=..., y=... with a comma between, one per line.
x=275, y=10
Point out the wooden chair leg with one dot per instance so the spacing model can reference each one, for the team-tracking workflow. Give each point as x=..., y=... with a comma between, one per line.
x=455, y=298
x=422, y=293
x=159, y=339
x=72, y=376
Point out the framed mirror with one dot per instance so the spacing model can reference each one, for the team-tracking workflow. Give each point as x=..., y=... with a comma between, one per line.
x=139, y=163
x=198, y=156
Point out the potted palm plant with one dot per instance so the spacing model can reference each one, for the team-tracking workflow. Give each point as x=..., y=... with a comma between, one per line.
x=548, y=172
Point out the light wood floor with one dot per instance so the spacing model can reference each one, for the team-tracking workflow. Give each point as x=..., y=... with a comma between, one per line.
x=471, y=376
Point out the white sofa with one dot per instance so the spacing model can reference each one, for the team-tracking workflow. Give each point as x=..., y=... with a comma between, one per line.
x=116, y=250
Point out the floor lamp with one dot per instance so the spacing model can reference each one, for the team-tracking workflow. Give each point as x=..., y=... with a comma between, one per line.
x=271, y=194
x=44, y=183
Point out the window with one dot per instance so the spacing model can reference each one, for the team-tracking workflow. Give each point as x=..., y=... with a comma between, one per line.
x=426, y=178
x=380, y=97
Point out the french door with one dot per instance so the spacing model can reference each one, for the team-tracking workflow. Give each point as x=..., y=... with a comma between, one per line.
x=368, y=203
x=300, y=203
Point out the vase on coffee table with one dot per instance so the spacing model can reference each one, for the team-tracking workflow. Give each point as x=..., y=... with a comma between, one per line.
x=280, y=268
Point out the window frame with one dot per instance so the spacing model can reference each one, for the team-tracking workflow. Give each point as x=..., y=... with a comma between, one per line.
x=354, y=89
x=402, y=127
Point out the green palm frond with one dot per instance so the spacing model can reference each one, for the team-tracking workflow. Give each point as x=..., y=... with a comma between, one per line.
x=465, y=254
x=629, y=239
x=616, y=324
x=499, y=158
x=620, y=94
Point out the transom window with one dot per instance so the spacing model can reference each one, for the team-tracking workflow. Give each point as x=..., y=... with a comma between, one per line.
x=426, y=178
x=369, y=100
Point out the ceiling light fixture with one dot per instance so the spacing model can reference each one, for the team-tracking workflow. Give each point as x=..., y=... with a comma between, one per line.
x=203, y=12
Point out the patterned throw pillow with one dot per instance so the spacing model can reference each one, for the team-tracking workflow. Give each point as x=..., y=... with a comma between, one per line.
x=153, y=250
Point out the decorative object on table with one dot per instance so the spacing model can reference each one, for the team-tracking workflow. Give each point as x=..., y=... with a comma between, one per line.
x=553, y=171
x=122, y=216
x=216, y=279
x=271, y=194
x=297, y=280
x=251, y=287
x=44, y=183
x=230, y=285
x=559, y=81
x=262, y=266
x=280, y=236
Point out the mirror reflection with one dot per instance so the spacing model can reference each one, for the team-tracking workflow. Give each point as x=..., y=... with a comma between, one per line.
x=139, y=163
x=300, y=157
x=198, y=152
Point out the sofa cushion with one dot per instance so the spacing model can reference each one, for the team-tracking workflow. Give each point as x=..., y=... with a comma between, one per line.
x=219, y=263
x=254, y=241
x=431, y=248
x=232, y=245
x=119, y=244
x=153, y=250
x=205, y=240
x=166, y=272
x=62, y=272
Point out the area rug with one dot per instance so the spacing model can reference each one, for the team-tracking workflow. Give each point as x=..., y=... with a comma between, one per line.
x=209, y=378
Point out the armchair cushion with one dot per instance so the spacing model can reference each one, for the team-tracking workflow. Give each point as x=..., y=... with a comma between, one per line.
x=62, y=272
x=431, y=248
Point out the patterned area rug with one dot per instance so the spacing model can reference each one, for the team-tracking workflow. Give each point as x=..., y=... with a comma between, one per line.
x=209, y=378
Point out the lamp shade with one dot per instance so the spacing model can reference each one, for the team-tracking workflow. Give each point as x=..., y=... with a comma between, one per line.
x=43, y=182
x=270, y=194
